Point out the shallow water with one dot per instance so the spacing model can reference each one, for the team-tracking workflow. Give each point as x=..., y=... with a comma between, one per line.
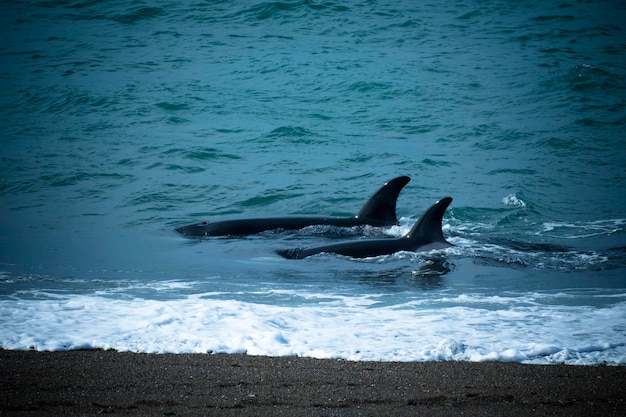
x=123, y=121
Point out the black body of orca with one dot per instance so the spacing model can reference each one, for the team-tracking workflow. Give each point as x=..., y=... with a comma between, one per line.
x=380, y=210
x=425, y=235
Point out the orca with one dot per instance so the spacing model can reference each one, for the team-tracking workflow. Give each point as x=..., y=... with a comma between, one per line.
x=425, y=235
x=379, y=211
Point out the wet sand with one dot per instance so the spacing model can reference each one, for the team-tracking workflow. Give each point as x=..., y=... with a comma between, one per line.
x=95, y=382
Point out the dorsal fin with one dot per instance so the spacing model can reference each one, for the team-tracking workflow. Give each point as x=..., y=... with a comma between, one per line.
x=427, y=230
x=380, y=209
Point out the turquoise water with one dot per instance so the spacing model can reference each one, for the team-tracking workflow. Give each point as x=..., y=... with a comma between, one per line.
x=121, y=121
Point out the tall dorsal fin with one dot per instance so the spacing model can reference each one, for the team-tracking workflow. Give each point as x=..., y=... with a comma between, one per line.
x=427, y=230
x=380, y=209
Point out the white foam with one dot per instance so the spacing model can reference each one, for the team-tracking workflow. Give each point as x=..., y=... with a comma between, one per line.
x=514, y=201
x=581, y=230
x=354, y=329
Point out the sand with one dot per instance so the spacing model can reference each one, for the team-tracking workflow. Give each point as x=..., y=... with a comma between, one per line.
x=95, y=382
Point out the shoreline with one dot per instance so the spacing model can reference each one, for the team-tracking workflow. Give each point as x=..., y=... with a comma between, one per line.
x=86, y=382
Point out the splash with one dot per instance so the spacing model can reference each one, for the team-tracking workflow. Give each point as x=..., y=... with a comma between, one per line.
x=513, y=201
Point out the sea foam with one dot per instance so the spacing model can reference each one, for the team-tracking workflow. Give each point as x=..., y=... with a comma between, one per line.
x=349, y=329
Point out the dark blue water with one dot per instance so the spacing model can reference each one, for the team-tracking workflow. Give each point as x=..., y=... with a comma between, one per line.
x=121, y=121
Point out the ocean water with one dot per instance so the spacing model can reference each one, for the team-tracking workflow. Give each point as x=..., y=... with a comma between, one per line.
x=121, y=120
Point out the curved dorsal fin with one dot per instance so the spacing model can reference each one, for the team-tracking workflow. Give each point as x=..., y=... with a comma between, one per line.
x=427, y=230
x=380, y=209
